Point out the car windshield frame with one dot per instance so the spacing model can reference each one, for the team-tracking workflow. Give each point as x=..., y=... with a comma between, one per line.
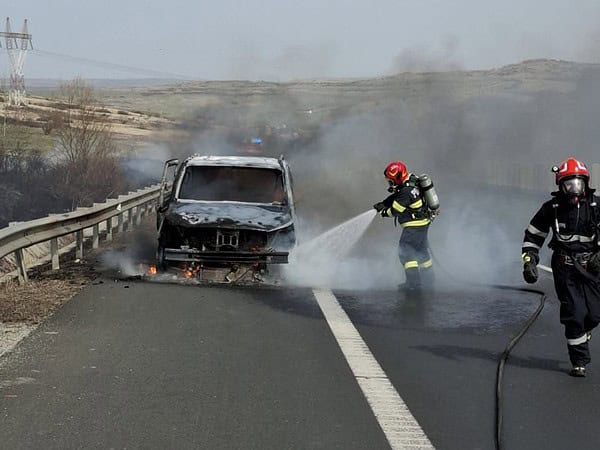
x=233, y=184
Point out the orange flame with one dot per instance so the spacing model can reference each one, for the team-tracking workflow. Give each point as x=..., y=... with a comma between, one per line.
x=152, y=270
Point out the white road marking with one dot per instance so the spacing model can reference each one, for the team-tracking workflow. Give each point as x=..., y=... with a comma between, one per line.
x=398, y=424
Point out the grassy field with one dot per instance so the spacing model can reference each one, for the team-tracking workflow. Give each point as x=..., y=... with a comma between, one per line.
x=19, y=137
x=25, y=129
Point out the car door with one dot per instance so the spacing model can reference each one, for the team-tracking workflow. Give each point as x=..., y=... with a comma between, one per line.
x=166, y=188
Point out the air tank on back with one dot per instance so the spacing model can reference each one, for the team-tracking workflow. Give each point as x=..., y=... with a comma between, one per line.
x=429, y=194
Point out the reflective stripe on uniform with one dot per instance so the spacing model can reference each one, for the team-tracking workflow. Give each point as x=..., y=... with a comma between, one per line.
x=398, y=207
x=527, y=244
x=417, y=204
x=575, y=238
x=426, y=264
x=534, y=230
x=526, y=258
x=580, y=340
x=416, y=223
x=411, y=265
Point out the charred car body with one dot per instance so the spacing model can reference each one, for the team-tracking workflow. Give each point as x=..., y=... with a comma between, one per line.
x=225, y=212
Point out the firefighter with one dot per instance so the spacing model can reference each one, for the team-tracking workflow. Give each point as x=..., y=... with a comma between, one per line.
x=408, y=207
x=573, y=215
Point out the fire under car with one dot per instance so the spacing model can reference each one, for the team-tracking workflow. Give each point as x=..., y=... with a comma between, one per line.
x=225, y=218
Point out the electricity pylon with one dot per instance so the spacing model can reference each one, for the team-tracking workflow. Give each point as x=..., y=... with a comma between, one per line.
x=16, y=45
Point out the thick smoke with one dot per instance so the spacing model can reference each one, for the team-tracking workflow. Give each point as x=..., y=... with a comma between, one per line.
x=132, y=258
x=455, y=139
x=338, y=138
x=145, y=166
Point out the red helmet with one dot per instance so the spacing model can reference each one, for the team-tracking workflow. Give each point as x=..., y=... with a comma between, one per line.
x=396, y=172
x=571, y=168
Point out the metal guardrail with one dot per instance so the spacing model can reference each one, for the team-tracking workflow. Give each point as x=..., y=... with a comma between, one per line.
x=15, y=238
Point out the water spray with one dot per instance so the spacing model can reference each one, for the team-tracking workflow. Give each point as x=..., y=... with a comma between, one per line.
x=316, y=261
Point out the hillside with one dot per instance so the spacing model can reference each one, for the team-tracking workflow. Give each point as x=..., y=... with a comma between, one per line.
x=496, y=105
x=130, y=128
x=526, y=78
x=455, y=125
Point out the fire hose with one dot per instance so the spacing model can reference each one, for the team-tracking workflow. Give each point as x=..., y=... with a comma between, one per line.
x=499, y=402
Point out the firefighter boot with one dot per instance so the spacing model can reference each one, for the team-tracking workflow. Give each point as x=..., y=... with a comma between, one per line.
x=577, y=371
x=427, y=278
x=413, y=281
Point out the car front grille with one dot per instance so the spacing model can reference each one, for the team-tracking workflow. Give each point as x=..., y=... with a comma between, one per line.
x=224, y=240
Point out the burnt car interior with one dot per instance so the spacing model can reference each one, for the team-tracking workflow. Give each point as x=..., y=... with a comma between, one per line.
x=225, y=212
x=235, y=184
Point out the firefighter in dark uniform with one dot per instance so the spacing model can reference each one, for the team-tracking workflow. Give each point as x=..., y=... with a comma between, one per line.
x=407, y=206
x=573, y=215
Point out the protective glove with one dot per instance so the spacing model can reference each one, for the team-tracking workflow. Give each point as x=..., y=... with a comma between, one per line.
x=593, y=264
x=380, y=206
x=530, y=272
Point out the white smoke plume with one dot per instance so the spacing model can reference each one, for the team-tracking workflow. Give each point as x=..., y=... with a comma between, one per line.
x=447, y=129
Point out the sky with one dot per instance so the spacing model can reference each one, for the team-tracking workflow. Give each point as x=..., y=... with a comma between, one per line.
x=281, y=40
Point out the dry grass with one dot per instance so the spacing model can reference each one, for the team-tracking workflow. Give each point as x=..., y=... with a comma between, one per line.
x=26, y=304
x=43, y=294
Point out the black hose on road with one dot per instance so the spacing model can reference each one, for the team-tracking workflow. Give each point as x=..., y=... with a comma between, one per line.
x=499, y=403
x=502, y=361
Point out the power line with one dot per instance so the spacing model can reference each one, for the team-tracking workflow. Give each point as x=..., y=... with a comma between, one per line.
x=112, y=66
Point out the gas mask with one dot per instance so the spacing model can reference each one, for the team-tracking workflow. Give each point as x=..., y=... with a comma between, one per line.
x=574, y=188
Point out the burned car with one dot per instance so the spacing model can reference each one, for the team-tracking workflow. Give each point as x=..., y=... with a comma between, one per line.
x=229, y=212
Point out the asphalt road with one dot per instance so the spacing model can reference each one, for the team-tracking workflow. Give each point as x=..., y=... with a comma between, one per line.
x=145, y=365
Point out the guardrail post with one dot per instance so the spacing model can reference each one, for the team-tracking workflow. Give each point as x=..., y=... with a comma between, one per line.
x=54, y=253
x=21, y=269
x=138, y=216
x=79, y=244
x=109, y=229
x=95, y=236
x=120, y=223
